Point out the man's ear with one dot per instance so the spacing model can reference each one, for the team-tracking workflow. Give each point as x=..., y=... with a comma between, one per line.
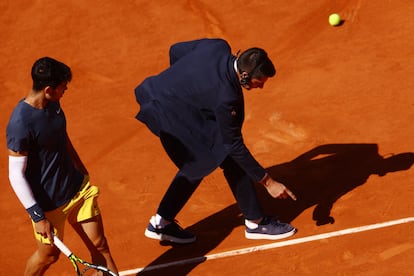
x=48, y=91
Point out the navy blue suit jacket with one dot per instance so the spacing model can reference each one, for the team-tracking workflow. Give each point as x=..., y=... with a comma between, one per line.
x=196, y=107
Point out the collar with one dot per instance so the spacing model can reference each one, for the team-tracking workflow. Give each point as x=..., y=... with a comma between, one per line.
x=235, y=65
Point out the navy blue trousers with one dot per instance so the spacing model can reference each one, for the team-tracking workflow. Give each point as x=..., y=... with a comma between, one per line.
x=242, y=187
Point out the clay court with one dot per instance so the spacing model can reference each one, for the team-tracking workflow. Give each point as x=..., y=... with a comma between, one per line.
x=335, y=125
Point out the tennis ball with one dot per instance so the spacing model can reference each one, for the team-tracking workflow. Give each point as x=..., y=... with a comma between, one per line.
x=335, y=19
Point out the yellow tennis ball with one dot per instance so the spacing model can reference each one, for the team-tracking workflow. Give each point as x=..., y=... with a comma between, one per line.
x=335, y=19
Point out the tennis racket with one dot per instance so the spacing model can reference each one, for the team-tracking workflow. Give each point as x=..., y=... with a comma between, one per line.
x=89, y=269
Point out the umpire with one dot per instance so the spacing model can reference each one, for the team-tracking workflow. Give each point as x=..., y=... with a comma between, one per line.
x=196, y=108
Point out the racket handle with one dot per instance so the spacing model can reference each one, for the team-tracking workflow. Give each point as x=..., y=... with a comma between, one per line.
x=62, y=247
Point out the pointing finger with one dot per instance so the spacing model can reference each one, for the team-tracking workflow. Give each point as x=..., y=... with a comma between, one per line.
x=292, y=195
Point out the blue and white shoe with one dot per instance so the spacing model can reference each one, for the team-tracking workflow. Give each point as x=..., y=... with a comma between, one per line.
x=270, y=229
x=171, y=232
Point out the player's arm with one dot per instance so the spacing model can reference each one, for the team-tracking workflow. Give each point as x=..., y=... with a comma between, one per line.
x=75, y=157
x=23, y=191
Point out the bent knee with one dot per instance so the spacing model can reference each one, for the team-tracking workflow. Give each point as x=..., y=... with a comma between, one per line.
x=53, y=259
x=48, y=259
x=100, y=244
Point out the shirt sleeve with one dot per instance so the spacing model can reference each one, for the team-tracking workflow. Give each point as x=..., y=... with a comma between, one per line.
x=18, y=136
x=230, y=118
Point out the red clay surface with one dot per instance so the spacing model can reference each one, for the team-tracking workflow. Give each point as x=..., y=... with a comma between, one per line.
x=349, y=86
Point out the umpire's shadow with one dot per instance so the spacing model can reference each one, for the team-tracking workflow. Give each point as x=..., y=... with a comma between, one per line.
x=322, y=175
x=318, y=177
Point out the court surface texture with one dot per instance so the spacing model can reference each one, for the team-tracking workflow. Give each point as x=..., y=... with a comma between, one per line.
x=335, y=125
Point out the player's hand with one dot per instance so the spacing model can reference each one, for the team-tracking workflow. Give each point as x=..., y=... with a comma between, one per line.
x=278, y=190
x=45, y=229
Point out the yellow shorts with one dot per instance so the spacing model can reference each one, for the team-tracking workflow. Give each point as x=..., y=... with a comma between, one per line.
x=83, y=206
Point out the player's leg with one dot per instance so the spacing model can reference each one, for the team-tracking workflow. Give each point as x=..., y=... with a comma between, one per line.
x=85, y=218
x=41, y=260
x=92, y=234
x=46, y=255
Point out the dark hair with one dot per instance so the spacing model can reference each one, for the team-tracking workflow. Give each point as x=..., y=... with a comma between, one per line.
x=256, y=63
x=47, y=71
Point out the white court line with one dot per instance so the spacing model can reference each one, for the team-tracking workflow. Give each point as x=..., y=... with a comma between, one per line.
x=270, y=246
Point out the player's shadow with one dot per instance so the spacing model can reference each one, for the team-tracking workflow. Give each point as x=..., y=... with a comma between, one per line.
x=318, y=177
x=322, y=175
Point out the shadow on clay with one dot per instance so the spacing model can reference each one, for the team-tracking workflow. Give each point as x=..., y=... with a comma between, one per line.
x=318, y=178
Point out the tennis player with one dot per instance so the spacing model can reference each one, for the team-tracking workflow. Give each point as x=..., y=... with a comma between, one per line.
x=47, y=174
x=196, y=108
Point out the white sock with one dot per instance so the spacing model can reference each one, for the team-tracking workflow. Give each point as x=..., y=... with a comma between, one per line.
x=250, y=224
x=160, y=221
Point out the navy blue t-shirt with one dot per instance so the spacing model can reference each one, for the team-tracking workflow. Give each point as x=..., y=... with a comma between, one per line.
x=50, y=170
